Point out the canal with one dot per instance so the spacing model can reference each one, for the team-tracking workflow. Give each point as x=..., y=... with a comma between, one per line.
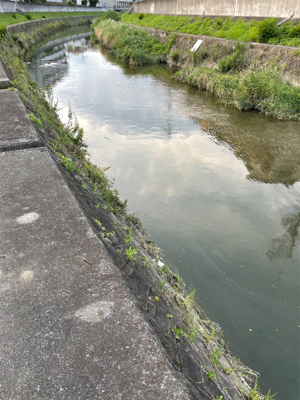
x=217, y=189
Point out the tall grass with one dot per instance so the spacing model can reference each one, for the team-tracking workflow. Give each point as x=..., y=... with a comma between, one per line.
x=256, y=88
x=133, y=45
x=266, y=31
x=165, y=22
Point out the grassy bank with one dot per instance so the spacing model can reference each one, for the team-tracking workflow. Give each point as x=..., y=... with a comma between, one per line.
x=229, y=71
x=132, y=45
x=15, y=18
x=266, y=31
x=255, y=88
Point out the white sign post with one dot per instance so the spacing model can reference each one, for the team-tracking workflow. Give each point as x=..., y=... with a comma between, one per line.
x=196, y=46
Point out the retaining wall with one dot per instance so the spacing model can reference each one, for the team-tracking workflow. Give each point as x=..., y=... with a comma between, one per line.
x=234, y=8
x=11, y=6
x=7, y=6
x=54, y=24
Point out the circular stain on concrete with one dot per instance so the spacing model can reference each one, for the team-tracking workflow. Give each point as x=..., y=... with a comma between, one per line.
x=95, y=312
x=28, y=218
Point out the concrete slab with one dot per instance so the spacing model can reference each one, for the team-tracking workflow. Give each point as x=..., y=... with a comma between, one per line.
x=69, y=329
x=16, y=129
x=4, y=81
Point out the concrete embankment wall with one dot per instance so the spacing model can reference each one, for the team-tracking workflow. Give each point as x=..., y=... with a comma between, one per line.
x=233, y=8
x=34, y=28
x=7, y=6
x=11, y=6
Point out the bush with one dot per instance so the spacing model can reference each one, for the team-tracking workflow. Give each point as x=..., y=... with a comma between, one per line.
x=3, y=31
x=28, y=16
x=175, y=55
x=133, y=45
x=14, y=15
x=84, y=2
x=235, y=62
x=267, y=29
x=111, y=14
x=141, y=16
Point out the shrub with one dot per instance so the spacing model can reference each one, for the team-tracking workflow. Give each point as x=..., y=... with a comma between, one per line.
x=267, y=29
x=133, y=45
x=3, y=31
x=175, y=55
x=111, y=14
x=28, y=16
x=234, y=62
x=84, y=2
x=14, y=15
x=141, y=16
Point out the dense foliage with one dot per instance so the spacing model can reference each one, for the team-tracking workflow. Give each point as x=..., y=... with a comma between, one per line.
x=132, y=45
x=266, y=31
x=255, y=88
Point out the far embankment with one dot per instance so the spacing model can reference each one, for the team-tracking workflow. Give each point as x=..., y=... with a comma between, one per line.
x=233, y=8
x=247, y=76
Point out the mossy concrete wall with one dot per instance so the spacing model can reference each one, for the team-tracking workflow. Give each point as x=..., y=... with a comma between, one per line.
x=43, y=27
x=233, y=8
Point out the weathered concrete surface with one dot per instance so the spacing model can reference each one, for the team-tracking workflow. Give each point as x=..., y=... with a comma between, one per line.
x=69, y=329
x=4, y=81
x=16, y=129
x=232, y=8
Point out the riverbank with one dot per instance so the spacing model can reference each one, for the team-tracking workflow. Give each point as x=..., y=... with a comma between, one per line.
x=246, y=76
x=174, y=317
x=264, y=31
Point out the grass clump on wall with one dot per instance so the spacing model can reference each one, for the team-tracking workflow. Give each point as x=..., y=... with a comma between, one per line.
x=132, y=45
x=255, y=88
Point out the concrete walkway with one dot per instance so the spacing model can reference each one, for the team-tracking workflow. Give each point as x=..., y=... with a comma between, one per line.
x=69, y=328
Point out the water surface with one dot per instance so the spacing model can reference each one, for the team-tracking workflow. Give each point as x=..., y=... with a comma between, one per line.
x=217, y=189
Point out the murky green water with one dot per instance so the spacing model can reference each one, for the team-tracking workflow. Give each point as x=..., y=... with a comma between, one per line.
x=217, y=189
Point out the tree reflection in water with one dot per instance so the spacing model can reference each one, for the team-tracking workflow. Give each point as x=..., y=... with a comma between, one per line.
x=282, y=247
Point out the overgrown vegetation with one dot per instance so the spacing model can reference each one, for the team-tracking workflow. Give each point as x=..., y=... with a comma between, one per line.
x=258, y=87
x=3, y=31
x=266, y=31
x=132, y=45
x=166, y=22
x=14, y=18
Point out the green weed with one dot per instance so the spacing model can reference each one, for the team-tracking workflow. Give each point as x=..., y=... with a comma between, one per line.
x=211, y=375
x=178, y=332
x=130, y=253
x=215, y=357
x=127, y=239
x=192, y=334
x=162, y=289
x=175, y=55
x=68, y=163
x=37, y=121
